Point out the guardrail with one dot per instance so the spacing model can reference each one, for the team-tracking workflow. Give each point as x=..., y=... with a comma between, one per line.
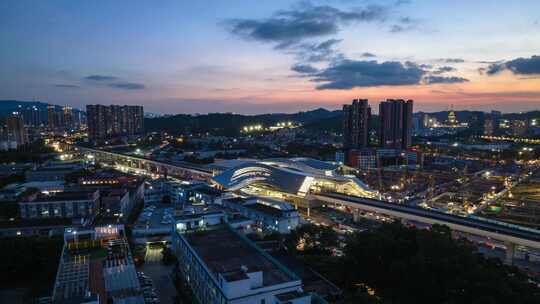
x=473, y=222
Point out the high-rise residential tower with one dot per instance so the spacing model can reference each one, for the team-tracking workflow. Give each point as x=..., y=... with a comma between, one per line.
x=356, y=118
x=52, y=118
x=31, y=116
x=68, y=118
x=395, y=123
x=106, y=122
x=16, y=132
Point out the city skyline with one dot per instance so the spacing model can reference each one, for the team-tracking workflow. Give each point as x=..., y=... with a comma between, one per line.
x=279, y=56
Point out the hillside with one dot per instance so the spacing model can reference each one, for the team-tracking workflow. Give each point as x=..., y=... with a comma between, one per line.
x=231, y=124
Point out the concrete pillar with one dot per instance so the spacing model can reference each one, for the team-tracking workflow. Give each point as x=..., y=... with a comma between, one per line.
x=510, y=249
x=356, y=215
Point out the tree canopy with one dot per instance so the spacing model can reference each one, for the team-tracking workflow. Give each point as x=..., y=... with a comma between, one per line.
x=398, y=264
x=30, y=262
x=32, y=152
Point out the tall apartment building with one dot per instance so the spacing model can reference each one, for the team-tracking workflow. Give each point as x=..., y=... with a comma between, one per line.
x=395, y=123
x=31, y=115
x=106, y=122
x=519, y=127
x=16, y=132
x=52, y=118
x=67, y=112
x=356, y=118
x=60, y=120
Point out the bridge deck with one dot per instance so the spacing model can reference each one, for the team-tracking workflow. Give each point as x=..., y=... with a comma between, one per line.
x=177, y=164
x=476, y=223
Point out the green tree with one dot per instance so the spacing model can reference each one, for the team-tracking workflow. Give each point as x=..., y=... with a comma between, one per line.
x=427, y=266
x=312, y=239
x=30, y=262
x=167, y=256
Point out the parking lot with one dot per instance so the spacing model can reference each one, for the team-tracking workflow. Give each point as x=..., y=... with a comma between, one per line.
x=155, y=216
x=159, y=274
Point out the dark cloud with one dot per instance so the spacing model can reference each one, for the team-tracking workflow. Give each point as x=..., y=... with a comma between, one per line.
x=348, y=74
x=493, y=68
x=367, y=54
x=402, y=2
x=404, y=24
x=518, y=66
x=442, y=79
x=100, y=78
x=289, y=27
x=443, y=69
x=67, y=86
x=490, y=62
x=397, y=28
x=304, y=68
x=452, y=60
x=315, y=52
x=127, y=86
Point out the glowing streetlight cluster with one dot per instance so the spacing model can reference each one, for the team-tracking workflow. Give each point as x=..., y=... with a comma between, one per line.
x=253, y=128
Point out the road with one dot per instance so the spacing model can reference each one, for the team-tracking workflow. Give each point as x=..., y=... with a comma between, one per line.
x=160, y=275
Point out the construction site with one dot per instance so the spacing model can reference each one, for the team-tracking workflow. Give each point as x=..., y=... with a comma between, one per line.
x=520, y=205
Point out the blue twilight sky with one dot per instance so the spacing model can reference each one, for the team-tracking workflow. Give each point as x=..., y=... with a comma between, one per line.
x=269, y=56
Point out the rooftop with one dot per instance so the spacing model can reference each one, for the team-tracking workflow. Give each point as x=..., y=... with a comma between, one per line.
x=106, y=269
x=275, y=212
x=197, y=215
x=64, y=196
x=291, y=295
x=53, y=169
x=224, y=251
x=208, y=190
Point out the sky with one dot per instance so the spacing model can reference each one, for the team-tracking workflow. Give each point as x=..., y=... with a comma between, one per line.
x=264, y=56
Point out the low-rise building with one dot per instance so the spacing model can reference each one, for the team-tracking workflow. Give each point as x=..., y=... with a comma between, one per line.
x=107, y=178
x=153, y=193
x=47, y=174
x=190, y=222
x=204, y=194
x=115, y=202
x=52, y=171
x=96, y=266
x=31, y=227
x=70, y=204
x=366, y=159
x=178, y=192
x=120, y=193
x=183, y=193
x=268, y=214
x=11, y=192
x=221, y=266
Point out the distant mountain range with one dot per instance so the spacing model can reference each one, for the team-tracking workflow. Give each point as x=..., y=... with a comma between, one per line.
x=231, y=124
x=9, y=106
x=319, y=119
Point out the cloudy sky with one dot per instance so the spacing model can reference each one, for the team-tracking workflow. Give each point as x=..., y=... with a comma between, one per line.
x=272, y=56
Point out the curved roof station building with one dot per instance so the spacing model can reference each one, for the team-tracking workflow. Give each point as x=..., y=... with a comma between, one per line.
x=294, y=177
